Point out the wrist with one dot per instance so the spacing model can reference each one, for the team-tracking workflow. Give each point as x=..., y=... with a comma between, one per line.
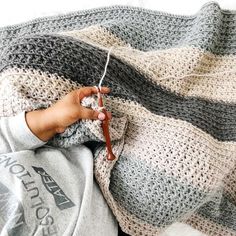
x=41, y=123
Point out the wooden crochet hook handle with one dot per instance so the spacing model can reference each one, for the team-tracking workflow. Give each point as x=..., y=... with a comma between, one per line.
x=105, y=128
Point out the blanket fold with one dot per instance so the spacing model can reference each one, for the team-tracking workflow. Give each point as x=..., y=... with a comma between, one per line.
x=173, y=101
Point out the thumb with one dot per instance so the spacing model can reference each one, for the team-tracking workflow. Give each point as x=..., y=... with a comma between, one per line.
x=87, y=113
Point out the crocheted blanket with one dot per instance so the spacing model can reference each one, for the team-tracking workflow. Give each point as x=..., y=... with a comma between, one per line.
x=173, y=100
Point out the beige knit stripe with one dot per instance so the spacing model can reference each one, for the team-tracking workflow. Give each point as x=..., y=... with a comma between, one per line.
x=179, y=144
x=96, y=35
x=208, y=227
x=30, y=89
x=168, y=67
x=131, y=221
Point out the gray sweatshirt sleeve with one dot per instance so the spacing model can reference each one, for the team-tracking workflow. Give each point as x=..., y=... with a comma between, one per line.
x=48, y=191
x=15, y=135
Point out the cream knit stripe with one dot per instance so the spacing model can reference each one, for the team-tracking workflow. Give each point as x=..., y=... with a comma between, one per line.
x=30, y=89
x=208, y=227
x=218, y=74
x=97, y=36
x=201, y=165
x=180, y=144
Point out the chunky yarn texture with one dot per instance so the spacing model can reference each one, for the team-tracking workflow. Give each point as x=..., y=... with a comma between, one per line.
x=173, y=100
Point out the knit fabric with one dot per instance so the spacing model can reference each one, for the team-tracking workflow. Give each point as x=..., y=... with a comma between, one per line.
x=173, y=101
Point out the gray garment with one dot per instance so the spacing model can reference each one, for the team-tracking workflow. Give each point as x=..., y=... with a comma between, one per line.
x=46, y=190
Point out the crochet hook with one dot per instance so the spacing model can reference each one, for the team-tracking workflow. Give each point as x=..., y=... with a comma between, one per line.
x=105, y=128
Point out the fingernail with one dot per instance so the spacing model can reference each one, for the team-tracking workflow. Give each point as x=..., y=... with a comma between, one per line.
x=101, y=116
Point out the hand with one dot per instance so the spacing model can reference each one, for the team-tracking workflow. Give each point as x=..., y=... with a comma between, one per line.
x=55, y=119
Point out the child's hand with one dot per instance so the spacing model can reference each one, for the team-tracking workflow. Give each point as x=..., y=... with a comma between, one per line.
x=55, y=119
x=69, y=109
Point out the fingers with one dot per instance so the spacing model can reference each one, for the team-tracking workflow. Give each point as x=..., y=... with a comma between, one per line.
x=104, y=90
x=88, y=91
x=87, y=113
x=101, y=115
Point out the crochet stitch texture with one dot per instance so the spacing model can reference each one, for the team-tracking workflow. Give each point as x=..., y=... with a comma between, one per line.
x=173, y=100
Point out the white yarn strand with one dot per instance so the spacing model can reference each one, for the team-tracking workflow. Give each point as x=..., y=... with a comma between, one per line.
x=105, y=69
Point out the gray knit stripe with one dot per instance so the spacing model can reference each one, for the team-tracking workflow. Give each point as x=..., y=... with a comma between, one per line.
x=143, y=29
x=73, y=59
x=162, y=189
x=222, y=211
x=208, y=30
